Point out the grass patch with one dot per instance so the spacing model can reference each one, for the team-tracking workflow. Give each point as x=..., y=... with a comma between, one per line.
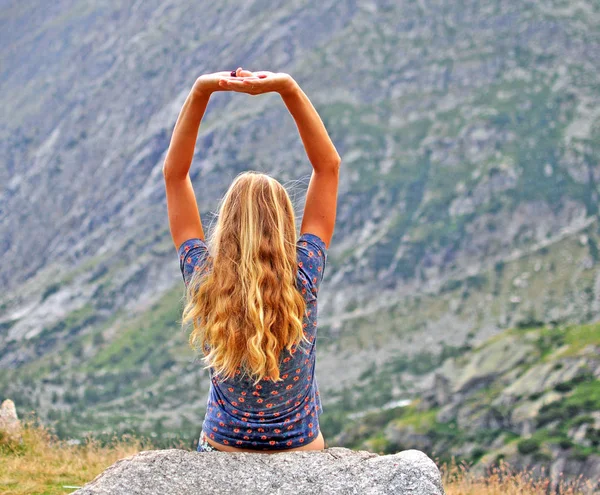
x=584, y=398
x=580, y=336
x=142, y=340
x=43, y=464
x=422, y=422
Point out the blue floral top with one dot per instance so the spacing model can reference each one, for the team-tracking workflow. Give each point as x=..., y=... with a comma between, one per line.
x=269, y=416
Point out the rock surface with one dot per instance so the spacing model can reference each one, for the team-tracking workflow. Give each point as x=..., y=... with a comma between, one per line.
x=9, y=421
x=333, y=471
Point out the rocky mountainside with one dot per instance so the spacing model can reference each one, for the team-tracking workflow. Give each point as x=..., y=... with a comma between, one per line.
x=529, y=396
x=469, y=133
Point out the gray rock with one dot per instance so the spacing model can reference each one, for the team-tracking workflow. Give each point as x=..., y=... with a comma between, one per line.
x=545, y=376
x=407, y=435
x=335, y=470
x=579, y=434
x=9, y=421
x=491, y=361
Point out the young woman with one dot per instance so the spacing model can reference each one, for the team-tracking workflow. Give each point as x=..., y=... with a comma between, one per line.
x=251, y=288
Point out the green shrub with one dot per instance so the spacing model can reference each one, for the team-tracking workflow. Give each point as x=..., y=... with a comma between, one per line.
x=528, y=446
x=565, y=443
x=585, y=397
x=51, y=289
x=563, y=387
x=581, y=420
x=593, y=435
x=555, y=411
x=477, y=454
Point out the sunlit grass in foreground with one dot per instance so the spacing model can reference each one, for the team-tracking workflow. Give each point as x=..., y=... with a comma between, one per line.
x=43, y=464
x=458, y=480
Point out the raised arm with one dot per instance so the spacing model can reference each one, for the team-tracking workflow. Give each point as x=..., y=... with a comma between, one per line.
x=184, y=217
x=321, y=197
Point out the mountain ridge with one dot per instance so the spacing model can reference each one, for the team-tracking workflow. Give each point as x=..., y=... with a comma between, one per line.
x=468, y=192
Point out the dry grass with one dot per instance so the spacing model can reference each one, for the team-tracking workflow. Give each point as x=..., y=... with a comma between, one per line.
x=39, y=463
x=502, y=480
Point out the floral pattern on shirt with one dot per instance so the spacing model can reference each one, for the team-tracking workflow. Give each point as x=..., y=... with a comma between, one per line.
x=269, y=415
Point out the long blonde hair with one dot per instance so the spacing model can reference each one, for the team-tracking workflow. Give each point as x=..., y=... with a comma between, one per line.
x=246, y=307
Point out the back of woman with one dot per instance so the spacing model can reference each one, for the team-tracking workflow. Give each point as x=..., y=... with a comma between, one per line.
x=270, y=414
x=252, y=287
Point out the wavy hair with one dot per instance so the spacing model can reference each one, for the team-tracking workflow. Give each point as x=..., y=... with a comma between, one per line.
x=245, y=306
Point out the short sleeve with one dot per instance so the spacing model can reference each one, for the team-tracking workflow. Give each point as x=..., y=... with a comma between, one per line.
x=312, y=258
x=193, y=255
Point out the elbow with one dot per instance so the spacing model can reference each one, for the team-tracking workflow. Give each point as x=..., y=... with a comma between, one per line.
x=332, y=164
x=165, y=169
x=173, y=170
x=335, y=163
x=167, y=174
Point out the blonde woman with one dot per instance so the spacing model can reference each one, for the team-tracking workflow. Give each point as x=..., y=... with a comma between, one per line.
x=252, y=287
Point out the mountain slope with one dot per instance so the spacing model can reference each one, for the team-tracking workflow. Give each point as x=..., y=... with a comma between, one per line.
x=468, y=194
x=529, y=396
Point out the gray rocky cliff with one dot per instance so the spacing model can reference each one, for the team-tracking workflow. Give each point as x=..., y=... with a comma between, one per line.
x=529, y=397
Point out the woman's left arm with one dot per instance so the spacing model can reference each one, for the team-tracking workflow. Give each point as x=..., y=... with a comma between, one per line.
x=184, y=217
x=183, y=141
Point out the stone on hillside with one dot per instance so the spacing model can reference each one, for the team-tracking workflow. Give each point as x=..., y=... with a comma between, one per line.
x=545, y=376
x=523, y=415
x=9, y=421
x=332, y=471
x=491, y=361
x=407, y=435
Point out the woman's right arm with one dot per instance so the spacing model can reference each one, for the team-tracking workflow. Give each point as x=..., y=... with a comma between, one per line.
x=321, y=196
x=320, y=150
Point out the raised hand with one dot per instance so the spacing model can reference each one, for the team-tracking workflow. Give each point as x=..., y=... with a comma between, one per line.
x=209, y=83
x=257, y=83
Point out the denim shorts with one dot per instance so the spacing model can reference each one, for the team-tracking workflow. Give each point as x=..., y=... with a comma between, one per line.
x=203, y=445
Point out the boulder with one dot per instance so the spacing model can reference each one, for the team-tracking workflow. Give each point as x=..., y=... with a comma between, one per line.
x=402, y=435
x=9, y=421
x=489, y=362
x=335, y=470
